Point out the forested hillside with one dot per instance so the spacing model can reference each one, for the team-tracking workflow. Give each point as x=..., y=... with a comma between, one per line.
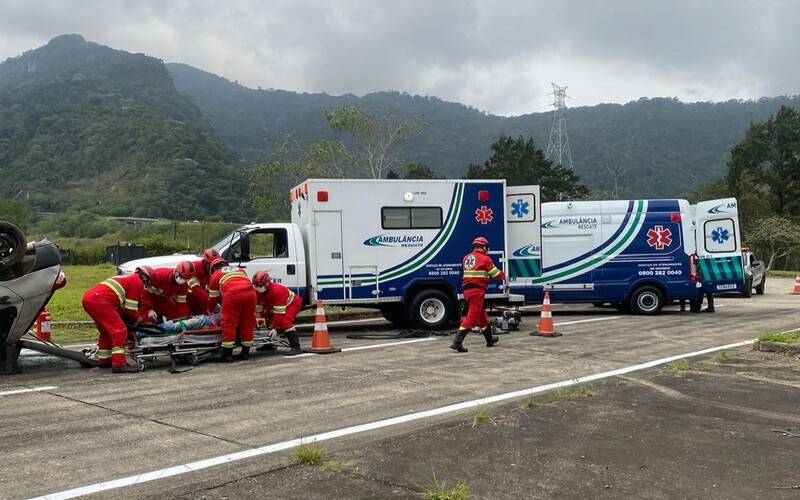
x=83, y=126
x=658, y=147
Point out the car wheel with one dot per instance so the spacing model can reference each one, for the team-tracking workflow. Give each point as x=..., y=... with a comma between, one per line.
x=430, y=310
x=395, y=314
x=12, y=244
x=647, y=300
x=748, y=288
x=760, y=286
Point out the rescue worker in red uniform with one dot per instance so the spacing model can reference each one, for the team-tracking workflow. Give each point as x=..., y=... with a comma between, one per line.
x=233, y=288
x=198, y=285
x=279, y=306
x=169, y=291
x=478, y=269
x=109, y=304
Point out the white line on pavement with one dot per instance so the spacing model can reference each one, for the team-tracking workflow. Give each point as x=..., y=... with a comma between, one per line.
x=357, y=429
x=32, y=389
x=586, y=320
x=359, y=348
x=347, y=322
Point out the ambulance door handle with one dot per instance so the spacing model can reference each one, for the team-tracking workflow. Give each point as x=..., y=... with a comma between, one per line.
x=336, y=255
x=290, y=269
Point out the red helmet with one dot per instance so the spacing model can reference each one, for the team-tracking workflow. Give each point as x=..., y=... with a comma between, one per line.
x=261, y=278
x=185, y=270
x=480, y=241
x=145, y=273
x=209, y=255
x=218, y=262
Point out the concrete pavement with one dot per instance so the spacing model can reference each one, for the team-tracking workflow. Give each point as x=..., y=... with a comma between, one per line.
x=96, y=427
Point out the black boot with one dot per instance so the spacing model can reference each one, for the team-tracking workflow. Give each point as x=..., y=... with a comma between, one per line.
x=245, y=354
x=122, y=369
x=457, y=344
x=227, y=355
x=487, y=334
x=294, y=343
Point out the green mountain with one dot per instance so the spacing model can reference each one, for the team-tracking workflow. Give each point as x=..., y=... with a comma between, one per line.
x=83, y=126
x=665, y=147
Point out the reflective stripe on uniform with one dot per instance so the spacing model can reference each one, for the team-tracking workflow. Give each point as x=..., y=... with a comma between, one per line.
x=494, y=272
x=228, y=345
x=193, y=282
x=117, y=350
x=180, y=299
x=476, y=274
x=116, y=288
x=247, y=343
x=103, y=354
x=231, y=275
x=213, y=293
x=131, y=305
x=282, y=309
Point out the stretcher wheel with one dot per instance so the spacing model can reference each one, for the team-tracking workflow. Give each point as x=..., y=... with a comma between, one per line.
x=193, y=359
x=140, y=365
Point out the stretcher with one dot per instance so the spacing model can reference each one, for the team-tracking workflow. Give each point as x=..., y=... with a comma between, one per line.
x=149, y=344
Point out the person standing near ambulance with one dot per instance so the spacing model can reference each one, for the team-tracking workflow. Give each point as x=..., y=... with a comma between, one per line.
x=478, y=269
x=233, y=289
x=169, y=290
x=279, y=306
x=109, y=304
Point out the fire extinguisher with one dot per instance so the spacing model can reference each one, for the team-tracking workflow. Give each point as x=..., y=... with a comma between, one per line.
x=43, y=328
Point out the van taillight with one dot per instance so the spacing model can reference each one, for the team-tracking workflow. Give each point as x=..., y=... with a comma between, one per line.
x=675, y=218
x=693, y=271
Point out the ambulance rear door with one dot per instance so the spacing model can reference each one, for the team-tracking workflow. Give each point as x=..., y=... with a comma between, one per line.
x=523, y=216
x=719, y=247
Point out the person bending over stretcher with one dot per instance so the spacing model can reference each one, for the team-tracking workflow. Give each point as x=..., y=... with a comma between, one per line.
x=231, y=286
x=169, y=289
x=279, y=306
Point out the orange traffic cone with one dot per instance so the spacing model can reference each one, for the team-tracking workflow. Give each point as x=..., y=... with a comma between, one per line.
x=321, y=341
x=796, y=286
x=545, y=327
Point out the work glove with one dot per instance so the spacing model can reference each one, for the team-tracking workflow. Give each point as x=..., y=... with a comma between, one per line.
x=153, y=316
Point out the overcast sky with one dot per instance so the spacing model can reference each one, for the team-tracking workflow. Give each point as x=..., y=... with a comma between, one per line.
x=498, y=56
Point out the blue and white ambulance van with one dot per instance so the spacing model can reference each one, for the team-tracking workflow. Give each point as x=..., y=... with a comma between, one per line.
x=635, y=254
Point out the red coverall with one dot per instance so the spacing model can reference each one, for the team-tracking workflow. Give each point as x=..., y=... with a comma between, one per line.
x=169, y=298
x=478, y=268
x=106, y=303
x=279, y=306
x=233, y=288
x=198, y=289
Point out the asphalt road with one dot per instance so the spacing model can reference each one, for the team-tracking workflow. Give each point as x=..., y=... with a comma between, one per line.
x=82, y=427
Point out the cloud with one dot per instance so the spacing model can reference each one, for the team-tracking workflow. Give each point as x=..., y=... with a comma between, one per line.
x=498, y=56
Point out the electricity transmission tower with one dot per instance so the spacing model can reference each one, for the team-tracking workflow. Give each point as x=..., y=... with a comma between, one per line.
x=558, y=145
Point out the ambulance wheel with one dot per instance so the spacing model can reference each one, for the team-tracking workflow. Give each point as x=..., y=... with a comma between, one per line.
x=647, y=300
x=760, y=287
x=395, y=314
x=431, y=309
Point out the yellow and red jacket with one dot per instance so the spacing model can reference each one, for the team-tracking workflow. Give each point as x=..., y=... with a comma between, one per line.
x=275, y=300
x=478, y=269
x=128, y=292
x=225, y=281
x=162, y=285
x=198, y=289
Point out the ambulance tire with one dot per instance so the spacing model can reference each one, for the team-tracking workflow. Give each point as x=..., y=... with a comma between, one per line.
x=394, y=313
x=760, y=286
x=647, y=300
x=431, y=309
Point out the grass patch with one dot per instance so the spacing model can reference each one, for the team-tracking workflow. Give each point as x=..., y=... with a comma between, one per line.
x=784, y=274
x=482, y=417
x=66, y=303
x=722, y=356
x=684, y=366
x=310, y=454
x=440, y=490
x=788, y=338
x=580, y=391
x=534, y=403
x=343, y=466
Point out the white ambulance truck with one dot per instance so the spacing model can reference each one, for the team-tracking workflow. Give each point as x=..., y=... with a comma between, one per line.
x=395, y=245
x=635, y=254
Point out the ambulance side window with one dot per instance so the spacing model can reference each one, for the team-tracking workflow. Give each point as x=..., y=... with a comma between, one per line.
x=261, y=244
x=411, y=217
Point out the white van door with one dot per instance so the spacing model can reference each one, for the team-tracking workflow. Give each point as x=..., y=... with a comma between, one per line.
x=266, y=249
x=719, y=248
x=328, y=255
x=523, y=216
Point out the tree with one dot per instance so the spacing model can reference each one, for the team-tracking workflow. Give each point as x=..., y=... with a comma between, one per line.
x=766, y=164
x=777, y=235
x=15, y=213
x=369, y=141
x=418, y=171
x=520, y=163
